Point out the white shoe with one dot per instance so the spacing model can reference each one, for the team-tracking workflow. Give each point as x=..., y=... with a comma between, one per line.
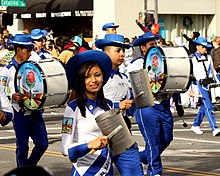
x=216, y=132
x=196, y=129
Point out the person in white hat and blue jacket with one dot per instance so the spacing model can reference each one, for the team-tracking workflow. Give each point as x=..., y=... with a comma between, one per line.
x=26, y=123
x=118, y=90
x=205, y=74
x=39, y=37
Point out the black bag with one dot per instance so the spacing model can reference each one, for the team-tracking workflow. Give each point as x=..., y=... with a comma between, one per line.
x=206, y=81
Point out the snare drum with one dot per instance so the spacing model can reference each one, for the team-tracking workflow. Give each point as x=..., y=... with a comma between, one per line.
x=169, y=69
x=42, y=83
x=214, y=89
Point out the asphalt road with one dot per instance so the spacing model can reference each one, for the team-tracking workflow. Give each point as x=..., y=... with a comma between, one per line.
x=188, y=155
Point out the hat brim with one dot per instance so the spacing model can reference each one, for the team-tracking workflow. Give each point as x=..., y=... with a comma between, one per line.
x=100, y=43
x=141, y=40
x=207, y=45
x=115, y=26
x=27, y=44
x=37, y=37
x=73, y=65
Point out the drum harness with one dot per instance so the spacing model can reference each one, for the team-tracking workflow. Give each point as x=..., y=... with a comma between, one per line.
x=207, y=80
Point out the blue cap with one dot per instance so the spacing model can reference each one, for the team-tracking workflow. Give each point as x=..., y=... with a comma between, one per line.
x=21, y=39
x=37, y=34
x=112, y=40
x=202, y=41
x=148, y=36
x=74, y=64
x=109, y=25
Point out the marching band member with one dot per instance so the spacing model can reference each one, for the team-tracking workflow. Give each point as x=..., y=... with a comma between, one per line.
x=205, y=74
x=156, y=122
x=26, y=123
x=6, y=114
x=87, y=72
x=110, y=28
x=39, y=37
x=118, y=90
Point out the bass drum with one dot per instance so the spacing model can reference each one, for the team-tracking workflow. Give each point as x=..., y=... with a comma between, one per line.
x=169, y=69
x=42, y=83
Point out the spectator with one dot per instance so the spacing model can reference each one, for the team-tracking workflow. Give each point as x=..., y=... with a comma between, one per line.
x=192, y=45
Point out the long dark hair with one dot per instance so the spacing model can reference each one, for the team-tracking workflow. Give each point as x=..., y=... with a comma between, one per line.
x=81, y=88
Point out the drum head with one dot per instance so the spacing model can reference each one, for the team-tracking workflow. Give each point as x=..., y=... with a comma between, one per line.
x=154, y=64
x=30, y=83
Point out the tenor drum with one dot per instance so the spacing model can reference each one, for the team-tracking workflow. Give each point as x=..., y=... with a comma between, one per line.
x=214, y=89
x=121, y=141
x=42, y=83
x=169, y=69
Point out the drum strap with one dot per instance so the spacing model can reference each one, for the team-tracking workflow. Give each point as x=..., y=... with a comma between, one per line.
x=21, y=103
x=206, y=72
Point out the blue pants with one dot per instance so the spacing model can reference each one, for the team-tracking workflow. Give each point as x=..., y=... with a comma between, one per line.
x=29, y=126
x=205, y=109
x=156, y=126
x=128, y=163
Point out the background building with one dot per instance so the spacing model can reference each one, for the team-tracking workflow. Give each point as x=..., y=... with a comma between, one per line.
x=86, y=17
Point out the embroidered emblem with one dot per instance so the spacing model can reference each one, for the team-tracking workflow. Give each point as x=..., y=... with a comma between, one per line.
x=67, y=124
x=4, y=80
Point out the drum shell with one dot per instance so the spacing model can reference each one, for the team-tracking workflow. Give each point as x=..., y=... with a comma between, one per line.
x=56, y=82
x=178, y=72
x=173, y=72
x=214, y=90
x=42, y=83
x=140, y=84
x=120, y=142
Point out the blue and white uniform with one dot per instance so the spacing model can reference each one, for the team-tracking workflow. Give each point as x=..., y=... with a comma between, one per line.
x=156, y=126
x=41, y=54
x=5, y=106
x=77, y=132
x=117, y=89
x=199, y=71
x=26, y=123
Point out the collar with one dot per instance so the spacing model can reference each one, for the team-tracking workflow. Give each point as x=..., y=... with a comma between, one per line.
x=115, y=72
x=199, y=57
x=91, y=105
x=14, y=62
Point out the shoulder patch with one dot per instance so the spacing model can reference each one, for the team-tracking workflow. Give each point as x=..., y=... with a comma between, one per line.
x=3, y=80
x=67, y=124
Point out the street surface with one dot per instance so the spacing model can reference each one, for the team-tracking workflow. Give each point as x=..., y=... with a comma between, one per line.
x=188, y=155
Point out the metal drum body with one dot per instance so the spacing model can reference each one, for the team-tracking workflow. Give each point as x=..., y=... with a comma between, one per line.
x=169, y=69
x=214, y=89
x=121, y=141
x=143, y=96
x=42, y=83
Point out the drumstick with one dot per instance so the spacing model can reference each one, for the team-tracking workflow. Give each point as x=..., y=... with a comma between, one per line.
x=110, y=135
x=19, y=78
x=141, y=93
x=196, y=95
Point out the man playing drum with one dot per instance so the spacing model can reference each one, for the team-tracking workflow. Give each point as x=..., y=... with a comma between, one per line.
x=155, y=122
x=117, y=90
x=26, y=123
x=205, y=74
